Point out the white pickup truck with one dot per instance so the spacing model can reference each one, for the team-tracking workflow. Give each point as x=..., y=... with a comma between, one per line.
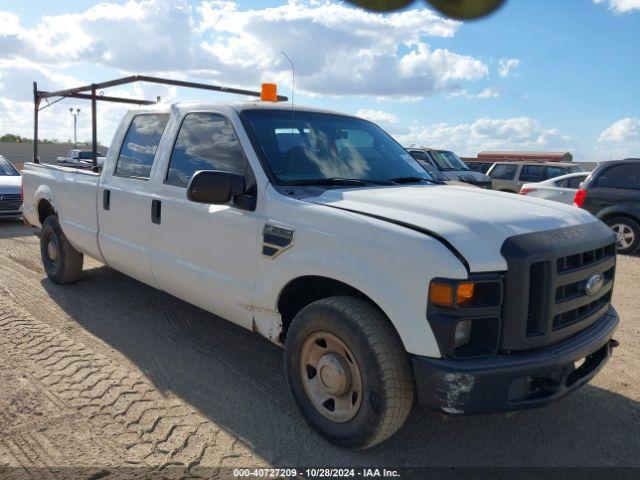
x=80, y=158
x=319, y=232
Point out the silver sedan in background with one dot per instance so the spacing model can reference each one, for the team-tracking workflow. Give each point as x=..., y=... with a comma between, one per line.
x=10, y=190
x=559, y=189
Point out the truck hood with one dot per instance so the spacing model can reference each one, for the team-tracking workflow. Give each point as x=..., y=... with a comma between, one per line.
x=475, y=222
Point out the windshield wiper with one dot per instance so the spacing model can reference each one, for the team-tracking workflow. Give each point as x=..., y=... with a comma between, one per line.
x=414, y=180
x=339, y=181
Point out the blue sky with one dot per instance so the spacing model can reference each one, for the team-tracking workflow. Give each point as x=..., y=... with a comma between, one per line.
x=536, y=75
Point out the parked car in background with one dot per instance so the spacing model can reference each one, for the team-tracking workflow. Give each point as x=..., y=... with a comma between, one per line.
x=511, y=176
x=450, y=165
x=481, y=167
x=80, y=158
x=559, y=189
x=10, y=190
x=612, y=193
x=438, y=176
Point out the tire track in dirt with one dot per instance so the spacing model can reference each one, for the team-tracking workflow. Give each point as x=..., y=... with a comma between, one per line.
x=138, y=307
x=122, y=405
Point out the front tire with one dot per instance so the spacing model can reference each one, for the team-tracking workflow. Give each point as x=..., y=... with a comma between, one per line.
x=348, y=372
x=627, y=234
x=61, y=261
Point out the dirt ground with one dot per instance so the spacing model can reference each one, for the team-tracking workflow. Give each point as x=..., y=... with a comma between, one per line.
x=109, y=373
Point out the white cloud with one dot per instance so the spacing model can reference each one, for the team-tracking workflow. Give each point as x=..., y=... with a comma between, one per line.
x=620, y=140
x=624, y=130
x=484, y=94
x=336, y=49
x=505, y=65
x=621, y=6
x=377, y=116
x=520, y=133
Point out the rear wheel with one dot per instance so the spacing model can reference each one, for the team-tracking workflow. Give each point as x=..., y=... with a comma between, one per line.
x=348, y=371
x=627, y=234
x=61, y=261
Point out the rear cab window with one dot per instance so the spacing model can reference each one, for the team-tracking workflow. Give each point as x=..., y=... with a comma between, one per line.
x=140, y=144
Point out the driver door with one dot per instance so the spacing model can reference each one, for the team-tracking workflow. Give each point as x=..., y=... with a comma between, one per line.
x=206, y=254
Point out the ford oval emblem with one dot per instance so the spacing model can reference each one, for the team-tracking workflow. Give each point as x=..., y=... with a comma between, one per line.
x=594, y=284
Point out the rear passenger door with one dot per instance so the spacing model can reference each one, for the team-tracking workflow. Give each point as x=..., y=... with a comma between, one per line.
x=125, y=199
x=206, y=254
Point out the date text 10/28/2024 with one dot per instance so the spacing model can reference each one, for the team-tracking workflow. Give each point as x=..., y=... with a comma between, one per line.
x=315, y=473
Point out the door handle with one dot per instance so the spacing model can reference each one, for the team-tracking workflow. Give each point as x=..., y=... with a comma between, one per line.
x=106, y=199
x=156, y=211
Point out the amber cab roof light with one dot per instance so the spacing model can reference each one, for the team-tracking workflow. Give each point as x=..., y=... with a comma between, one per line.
x=269, y=92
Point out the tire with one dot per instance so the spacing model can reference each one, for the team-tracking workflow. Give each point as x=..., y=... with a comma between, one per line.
x=61, y=261
x=372, y=348
x=628, y=233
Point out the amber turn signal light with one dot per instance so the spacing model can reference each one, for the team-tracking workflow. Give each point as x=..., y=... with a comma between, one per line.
x=465, y=292
x=442, y=293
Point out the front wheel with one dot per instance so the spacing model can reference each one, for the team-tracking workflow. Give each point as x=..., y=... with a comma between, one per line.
x=627, y=234
x=348, y=371
x=61, y=261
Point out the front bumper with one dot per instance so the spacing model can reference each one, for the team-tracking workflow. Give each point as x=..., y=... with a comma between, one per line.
x=519, y=380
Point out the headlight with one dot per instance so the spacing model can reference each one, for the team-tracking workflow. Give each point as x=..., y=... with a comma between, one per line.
x=462, y=333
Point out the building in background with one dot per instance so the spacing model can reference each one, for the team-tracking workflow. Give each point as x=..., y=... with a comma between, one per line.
x=494, y=157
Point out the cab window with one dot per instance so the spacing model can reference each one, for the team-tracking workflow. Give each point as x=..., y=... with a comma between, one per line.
x=140, y=145
x=206, y=141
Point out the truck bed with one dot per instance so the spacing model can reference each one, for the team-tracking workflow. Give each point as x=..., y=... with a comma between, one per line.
x=72, y=193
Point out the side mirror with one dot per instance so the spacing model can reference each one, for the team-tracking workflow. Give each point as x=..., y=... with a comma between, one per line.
x=215, y=187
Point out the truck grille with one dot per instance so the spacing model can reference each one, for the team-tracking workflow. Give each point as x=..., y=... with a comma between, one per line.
x=10, y=202
x=546, y=298
x=584, y=259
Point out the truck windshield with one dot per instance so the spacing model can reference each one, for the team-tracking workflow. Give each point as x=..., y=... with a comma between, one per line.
x=448, y=160
x=7, y=170
x=308, y=147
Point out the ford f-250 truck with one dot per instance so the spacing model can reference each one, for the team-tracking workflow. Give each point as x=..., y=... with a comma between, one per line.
x=321, y=233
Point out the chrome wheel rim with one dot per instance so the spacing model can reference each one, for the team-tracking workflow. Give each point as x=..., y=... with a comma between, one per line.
x=331, y=376
x=625, y=235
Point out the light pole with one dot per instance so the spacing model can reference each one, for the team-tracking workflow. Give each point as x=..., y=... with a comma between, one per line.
x=75, y=125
